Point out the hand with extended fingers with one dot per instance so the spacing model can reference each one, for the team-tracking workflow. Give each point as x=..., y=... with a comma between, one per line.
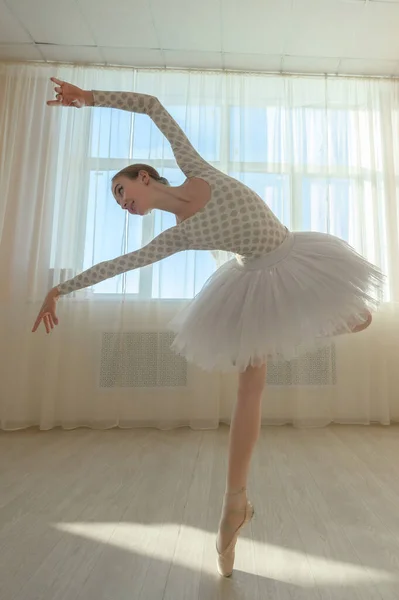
x=47, y=312
x=66, y=95
x=70, y=95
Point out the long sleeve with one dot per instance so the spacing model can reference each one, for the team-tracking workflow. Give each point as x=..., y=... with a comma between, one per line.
x=165, y=244
x=188, y=159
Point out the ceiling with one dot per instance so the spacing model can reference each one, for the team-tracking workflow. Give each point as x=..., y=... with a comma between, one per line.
x=355, y=37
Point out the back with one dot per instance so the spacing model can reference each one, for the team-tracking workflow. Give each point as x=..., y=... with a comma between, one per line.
x=235, y=219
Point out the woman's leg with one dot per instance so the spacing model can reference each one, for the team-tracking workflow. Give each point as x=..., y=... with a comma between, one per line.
x=356, y=327
x=365, y=324
x=244, y=432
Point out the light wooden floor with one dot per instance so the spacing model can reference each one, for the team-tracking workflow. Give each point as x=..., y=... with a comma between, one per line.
x=132, y=515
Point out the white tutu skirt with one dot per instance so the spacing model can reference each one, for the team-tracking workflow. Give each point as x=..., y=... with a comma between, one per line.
x=292, y=300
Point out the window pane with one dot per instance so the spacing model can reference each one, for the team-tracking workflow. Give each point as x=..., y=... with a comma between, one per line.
x=110, y=133
x=122, y=134
x=283, y=155
x=325, y=206
x=248, y=134
x=202, y=125
x=300, y=136
x=182, y=275
x=321, y=138
x=110, y=233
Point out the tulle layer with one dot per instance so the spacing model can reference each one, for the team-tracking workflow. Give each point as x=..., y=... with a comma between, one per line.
x=289, y=301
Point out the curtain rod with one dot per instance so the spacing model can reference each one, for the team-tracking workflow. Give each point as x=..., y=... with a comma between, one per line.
x=199, y=70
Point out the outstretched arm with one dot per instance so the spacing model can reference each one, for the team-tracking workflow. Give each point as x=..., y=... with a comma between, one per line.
x=188, y=159
x=165, y=244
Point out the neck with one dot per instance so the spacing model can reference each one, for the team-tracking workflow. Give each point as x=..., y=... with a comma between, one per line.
x=171, y=199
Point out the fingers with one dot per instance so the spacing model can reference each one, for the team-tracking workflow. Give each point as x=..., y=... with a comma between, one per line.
x=46, y=323
x=53, y=318
x=49, y=321
x=58, y=89
x=61, y=99
x=61, y=102
x=36, y=325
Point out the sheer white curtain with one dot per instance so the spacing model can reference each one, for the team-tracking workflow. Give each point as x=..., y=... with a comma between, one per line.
x=322, y=152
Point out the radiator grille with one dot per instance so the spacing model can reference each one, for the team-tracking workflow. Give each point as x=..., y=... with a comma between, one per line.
x=140, y=359
x=145, y=359
x=316, y=368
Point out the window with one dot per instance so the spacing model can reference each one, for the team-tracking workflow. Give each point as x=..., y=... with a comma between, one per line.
x=300, y=161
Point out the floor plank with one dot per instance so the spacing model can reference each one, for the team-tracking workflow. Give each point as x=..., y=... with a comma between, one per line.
x=112, y=515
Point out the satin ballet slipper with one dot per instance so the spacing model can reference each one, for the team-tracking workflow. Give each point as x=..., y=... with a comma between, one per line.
x=225, y=559
x=356, y=327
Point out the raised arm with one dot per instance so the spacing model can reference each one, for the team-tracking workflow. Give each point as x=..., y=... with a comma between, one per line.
x=188, y=159
x=165, y=244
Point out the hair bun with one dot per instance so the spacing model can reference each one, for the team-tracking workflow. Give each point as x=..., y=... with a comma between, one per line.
x=163, y=180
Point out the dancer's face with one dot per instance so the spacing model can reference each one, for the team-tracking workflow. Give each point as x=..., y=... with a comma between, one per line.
x=134, y=195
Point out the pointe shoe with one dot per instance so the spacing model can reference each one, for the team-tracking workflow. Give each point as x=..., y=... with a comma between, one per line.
x=364, y=324
x=225, y=559
x=354, y=327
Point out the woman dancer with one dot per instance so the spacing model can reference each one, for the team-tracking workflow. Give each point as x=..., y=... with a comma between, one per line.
x=281, y=290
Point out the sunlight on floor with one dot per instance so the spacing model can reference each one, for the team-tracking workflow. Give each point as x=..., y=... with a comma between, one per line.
x=274, y=562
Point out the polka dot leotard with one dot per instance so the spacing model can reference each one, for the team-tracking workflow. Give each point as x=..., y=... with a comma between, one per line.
x=235, y=218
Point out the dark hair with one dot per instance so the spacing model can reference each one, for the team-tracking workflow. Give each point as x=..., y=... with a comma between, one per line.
x=132, y=172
